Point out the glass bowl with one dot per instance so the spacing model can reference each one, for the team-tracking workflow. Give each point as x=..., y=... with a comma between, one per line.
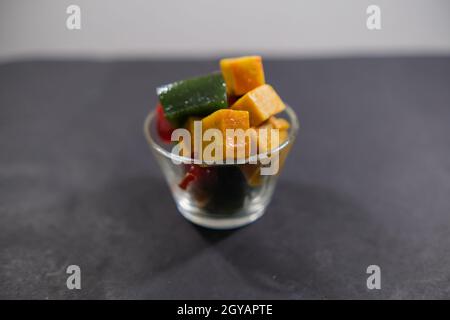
x=228, y=195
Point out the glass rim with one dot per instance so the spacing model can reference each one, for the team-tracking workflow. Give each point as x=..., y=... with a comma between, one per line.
x=294, y=126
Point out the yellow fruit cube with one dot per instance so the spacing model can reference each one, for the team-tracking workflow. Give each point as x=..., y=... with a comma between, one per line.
x=262, y=103
x=242, y=74
x=252, y=172
x=224, y=119
x=279, y=123
x=264, y=146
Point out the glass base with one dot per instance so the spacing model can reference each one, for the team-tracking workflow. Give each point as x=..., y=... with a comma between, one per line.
x=220, y=222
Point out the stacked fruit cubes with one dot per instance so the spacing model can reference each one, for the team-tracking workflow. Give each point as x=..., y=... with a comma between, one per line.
x=235, y=98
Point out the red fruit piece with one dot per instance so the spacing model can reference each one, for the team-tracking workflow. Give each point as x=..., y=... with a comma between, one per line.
x=188, y=178
x=164, y=127
x=203, y=176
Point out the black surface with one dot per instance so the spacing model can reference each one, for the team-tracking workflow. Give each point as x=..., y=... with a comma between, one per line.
x=368, y=182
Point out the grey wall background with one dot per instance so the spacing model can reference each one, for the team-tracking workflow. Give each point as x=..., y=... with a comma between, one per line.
x=198, y=28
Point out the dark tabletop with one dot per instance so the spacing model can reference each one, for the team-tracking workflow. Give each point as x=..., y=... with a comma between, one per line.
x=367, y=182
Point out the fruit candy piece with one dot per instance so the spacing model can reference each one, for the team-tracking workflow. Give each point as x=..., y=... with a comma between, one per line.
x=273, y=123
x=261, y=103
x=242, y=74
x=279, y=123
x=197, y=96
x=227, y=119
x=163, y=126
x=252, y=172
x=202, y=176
x=187, y=179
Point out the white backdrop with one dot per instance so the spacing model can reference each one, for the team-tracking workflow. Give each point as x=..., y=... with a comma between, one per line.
x=198, y=28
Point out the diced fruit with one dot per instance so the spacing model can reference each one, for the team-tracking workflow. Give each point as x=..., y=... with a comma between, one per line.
x=223, y=188
x=188, y=178
x=164, y=127
x=202, y=176
x=228, y=119
x=219, y=188
x=279, y=123
x=242, y=74
x=200, y=181
x=261, y=103
x=252, y=172
x=270, y=145
x=269, y=126
x=197, y=96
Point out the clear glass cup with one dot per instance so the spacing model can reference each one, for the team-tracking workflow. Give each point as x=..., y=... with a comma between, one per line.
x=226, y=198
